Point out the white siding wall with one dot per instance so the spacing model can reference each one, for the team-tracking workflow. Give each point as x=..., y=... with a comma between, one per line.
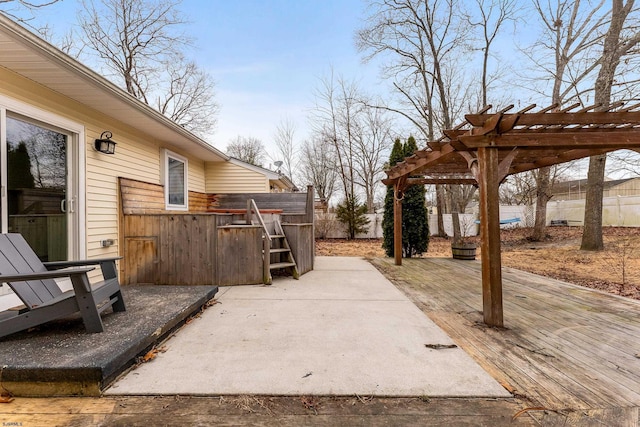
x=225, y=177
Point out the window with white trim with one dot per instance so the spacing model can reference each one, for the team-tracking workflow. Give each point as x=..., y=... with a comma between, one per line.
x=175, y=181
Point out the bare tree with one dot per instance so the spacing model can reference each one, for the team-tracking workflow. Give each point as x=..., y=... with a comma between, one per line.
x=617, y=44
x=427, y=44
x=334, y=119
x=140, y=42
x=319, y=167
x=421, y=39
x=23, y=11
x=287, y=151
x=492, y=16
x=248, y=149
x=189, y=99
x=626, y=161
x=359, y=135
x=570, y=32
x=372, y=146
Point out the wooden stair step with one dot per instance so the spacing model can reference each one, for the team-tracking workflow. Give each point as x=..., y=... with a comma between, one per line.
x=277, y=265
x=277, y=236
x=279, y=250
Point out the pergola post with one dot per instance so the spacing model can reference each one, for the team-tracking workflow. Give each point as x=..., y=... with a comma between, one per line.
x=488, y=182
x=397, y=224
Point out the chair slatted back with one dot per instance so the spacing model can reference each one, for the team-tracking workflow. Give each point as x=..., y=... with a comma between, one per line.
x=16, y=257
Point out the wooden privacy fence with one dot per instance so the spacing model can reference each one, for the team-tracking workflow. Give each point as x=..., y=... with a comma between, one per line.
x=197, y=247
x=296, y=208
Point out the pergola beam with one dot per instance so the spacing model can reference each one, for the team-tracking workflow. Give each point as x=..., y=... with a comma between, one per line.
x=559, y=118
x=563, y=157
x=567, y=139
x=405, y=169
x=433, y=181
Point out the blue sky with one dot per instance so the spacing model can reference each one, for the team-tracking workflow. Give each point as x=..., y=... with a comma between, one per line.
x=266, y=56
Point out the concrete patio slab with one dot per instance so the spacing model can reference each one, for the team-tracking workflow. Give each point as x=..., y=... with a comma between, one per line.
x=342, y=329
x=61, y=358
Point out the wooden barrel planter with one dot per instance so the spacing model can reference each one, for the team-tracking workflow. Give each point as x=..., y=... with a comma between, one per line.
x=465, y=251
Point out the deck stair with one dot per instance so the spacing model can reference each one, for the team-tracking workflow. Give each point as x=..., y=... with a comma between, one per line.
x=276, y=253
x=280, y=250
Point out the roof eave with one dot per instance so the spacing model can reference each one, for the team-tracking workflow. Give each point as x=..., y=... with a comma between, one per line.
x=51, y=53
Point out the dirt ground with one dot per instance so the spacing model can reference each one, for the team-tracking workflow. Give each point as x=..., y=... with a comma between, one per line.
x=615, y=270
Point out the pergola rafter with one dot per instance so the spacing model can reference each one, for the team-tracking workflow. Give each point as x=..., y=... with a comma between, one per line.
x=487, y=147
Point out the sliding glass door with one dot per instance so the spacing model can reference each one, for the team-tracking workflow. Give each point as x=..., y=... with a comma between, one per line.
x=38, y=191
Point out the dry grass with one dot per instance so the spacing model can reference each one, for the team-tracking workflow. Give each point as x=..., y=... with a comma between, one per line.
x=615, y=270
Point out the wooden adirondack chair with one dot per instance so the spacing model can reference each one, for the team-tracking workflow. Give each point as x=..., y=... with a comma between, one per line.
x=32, y=281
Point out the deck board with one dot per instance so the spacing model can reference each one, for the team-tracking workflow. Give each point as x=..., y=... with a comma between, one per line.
x=563, y=346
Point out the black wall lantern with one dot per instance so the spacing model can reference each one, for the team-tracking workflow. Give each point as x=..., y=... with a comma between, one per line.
x=105, y=144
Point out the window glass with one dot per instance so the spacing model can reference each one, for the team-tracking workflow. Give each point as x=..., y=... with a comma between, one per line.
x=176, y=182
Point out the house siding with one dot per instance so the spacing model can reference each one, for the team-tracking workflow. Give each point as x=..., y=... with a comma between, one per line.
x=229, y=178
x=628, y=188
x=137, y=157
x=624, y=189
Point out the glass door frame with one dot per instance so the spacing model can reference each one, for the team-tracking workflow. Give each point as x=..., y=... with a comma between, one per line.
x=76, y=220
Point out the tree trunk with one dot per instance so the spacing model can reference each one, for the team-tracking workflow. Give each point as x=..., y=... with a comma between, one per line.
x=542, y=197
x=440, y=207
x=592, y=234
x=613, y=50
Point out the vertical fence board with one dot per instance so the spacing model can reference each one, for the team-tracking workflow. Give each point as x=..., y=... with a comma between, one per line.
x=239, y=259
x=301, y=241
x=197, y=249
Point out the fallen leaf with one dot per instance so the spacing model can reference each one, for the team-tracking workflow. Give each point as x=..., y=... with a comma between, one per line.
x=152, y=354
x=149, y=356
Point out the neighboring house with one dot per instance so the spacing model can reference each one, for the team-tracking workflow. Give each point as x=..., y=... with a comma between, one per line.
x=237, y=176
x=577, y=190
x=62, y=193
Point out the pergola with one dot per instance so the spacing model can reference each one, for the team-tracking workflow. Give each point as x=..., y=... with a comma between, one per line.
x=489, y=146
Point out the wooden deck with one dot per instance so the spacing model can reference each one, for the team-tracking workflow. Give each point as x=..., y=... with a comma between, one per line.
x=564, y=347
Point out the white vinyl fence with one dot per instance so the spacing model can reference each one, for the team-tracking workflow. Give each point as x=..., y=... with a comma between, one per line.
x=621, y=211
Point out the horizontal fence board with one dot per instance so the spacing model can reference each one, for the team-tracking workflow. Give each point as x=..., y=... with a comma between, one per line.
x=287, y=202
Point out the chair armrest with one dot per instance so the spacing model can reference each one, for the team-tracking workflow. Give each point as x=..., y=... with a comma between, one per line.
x=44, y=275
x=54, y=265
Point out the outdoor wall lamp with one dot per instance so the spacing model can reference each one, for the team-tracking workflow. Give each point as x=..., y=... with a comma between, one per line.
x=104, y=144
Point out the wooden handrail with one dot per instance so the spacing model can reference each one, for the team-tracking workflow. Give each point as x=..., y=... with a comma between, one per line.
x=251, y=207
x=266, y=245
